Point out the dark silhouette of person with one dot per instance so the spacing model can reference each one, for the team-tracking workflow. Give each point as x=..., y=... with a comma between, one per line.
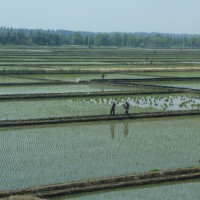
x=102, y=76
x=112, y=111
x=126, y=107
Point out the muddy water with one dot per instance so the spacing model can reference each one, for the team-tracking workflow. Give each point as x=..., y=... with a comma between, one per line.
x=53, y=154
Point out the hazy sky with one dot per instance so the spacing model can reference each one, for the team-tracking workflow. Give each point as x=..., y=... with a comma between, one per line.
x=165, y=16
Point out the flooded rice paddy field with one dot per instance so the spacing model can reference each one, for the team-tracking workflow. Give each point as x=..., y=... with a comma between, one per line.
x=43, y=155
x=173, y=74
x=15, y=79
x=59, y=108
x=191, y=84
x=64, y=88
x=83, y=77
x=32, y=109
x=148, y=102
x=183, y=191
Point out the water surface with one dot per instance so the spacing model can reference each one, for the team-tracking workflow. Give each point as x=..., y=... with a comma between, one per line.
x=43, y=155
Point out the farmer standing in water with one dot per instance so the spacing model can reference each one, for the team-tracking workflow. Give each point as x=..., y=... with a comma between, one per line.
x=112, y=111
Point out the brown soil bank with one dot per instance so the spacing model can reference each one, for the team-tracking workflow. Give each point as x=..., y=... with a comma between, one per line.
x=134, y=180
x=95, y=118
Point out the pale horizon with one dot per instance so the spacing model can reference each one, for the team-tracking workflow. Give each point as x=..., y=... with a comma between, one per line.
x=128, y=16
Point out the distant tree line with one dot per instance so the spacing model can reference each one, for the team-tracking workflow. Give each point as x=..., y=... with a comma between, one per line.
x=64, y=37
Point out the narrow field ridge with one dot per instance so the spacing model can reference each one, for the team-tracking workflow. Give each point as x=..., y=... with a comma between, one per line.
x=92, y=118
x=131, y=180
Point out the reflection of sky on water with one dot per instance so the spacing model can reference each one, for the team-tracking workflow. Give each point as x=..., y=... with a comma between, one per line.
x=159, y=102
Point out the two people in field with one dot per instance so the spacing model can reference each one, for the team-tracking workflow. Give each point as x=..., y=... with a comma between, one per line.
x=126, y=108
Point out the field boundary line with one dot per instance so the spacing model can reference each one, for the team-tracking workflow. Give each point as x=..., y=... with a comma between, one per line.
x=110, y=183
x=93, y=118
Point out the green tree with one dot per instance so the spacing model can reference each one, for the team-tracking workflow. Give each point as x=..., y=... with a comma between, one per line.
x=101, y=39
x=77, y=39
x=117, y=39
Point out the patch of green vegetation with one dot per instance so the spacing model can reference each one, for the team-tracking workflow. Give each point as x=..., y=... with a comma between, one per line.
x=155, y=170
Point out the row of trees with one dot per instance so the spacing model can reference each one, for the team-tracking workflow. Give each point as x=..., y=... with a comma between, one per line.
x=61, y=37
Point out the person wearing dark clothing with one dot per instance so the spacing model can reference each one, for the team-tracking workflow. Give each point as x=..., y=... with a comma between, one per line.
x=112, y=111
x=126, y=107
x=102, y=76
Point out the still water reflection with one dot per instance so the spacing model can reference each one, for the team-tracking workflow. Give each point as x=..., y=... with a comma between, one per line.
x=125, y=129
